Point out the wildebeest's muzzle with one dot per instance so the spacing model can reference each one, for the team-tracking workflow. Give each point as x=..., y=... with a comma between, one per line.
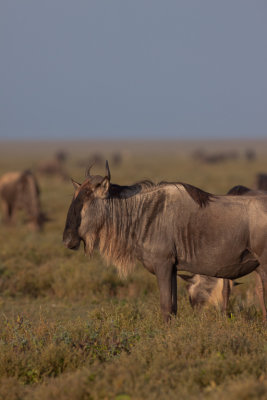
x=70, y=240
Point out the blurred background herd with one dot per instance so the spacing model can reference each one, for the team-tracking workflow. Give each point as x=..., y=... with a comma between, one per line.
x=214, y=166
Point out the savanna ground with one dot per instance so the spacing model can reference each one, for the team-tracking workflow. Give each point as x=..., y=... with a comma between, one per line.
x=71, y=329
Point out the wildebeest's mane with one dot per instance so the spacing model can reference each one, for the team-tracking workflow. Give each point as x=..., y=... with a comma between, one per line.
x=238, y=190
x=201, y=197
x=124, y=192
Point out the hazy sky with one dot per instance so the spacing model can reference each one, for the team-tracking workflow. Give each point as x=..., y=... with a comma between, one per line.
x=139, y=68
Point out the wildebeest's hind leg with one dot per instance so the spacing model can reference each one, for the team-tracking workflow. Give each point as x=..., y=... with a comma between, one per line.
x=164, y=273
x=225, y=295
x=261, y=279
x=174, y=290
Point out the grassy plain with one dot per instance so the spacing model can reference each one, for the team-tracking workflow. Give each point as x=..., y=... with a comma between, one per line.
x=71, y=329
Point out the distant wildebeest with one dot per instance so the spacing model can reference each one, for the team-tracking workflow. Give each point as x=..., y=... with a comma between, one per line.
x=54, y=167
x=250, y=155
x=61, y=156
x=98, y=160
x=203, y=290
x=168, y=226
x=261, y=182
x=116, y=159
x=95, y=159
x=20, y=191
x=216, y=157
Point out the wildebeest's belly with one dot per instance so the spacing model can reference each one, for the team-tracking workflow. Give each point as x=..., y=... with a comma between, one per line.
x=235, y=271
x=229, y=270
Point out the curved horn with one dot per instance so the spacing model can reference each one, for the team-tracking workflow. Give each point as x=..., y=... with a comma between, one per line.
x=108, y=171
x=87, y=171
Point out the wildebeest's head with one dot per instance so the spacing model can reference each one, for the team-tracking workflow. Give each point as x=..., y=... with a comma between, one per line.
x=204, y=290
x=85, y=218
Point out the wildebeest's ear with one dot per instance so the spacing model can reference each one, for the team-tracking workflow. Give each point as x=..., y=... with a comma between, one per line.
x=101, y=190
x=187, y=278
x=76, y=185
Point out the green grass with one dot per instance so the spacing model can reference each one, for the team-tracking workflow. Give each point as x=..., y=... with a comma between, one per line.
x=72, y=329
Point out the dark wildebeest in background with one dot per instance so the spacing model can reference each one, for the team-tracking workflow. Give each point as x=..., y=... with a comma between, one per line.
x=168, y=226
x=97, y=159
x=203, y=290
x=250, y=155
x=116, y=159
x=215, y=157
x=261, y=182
x=20, y=191
x=54, y=167
x=61, y=156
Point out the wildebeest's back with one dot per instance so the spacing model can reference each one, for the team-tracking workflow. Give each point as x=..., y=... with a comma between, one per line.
x=8, y=186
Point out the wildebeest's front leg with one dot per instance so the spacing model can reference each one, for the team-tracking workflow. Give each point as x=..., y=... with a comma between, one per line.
x=7, y=210
x=164, y=273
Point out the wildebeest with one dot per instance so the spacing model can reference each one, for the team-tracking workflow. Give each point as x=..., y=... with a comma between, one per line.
x=20, y=191
x=96, y=159
x=61, y=156
x=116, y=159
x=204, y=290
x=261, y=182
x=54, y=167
x=216, y=157
x=250, y=155
x=168, y=226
